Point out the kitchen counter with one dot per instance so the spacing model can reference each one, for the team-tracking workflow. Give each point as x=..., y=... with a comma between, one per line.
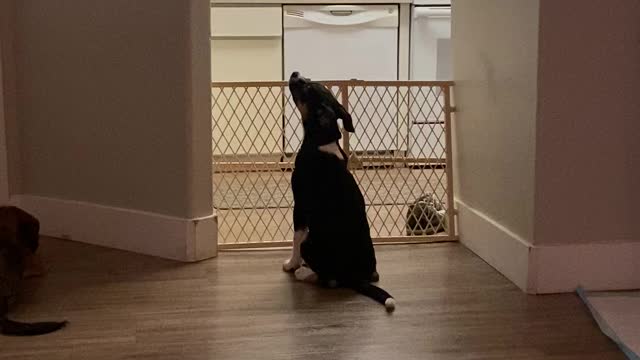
x=310, y=2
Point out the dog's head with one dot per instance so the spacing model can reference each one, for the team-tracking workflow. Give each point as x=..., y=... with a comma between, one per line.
x=319, y=109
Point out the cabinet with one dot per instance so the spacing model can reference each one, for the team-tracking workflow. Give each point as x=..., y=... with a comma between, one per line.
x=246, y=45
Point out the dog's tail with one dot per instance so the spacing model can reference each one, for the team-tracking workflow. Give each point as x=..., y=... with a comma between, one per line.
x=377, y=294
x=14, y=328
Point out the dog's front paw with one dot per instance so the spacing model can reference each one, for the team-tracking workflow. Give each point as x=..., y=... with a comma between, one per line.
x=291, y=265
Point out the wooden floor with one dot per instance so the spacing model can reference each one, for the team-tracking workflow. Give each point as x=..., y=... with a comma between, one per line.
x=257, y=207
x=451, y=305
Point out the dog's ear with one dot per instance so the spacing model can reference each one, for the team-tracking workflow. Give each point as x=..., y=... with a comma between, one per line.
x=345, y=116
x=325, y=116
x=346, y=120
x=325, y=96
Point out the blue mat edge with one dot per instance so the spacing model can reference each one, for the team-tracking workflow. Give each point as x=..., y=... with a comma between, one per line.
x=604, y=327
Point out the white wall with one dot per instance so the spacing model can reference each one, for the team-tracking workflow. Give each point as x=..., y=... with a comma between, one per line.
x=105, y=101
x=546, y=140
x=4, y=164
x=588, y=168
x=9, y=144
x=587, y=151
x=495, y=66
x=114, y=121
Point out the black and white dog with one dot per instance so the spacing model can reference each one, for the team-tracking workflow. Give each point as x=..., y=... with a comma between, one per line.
x=332, y=235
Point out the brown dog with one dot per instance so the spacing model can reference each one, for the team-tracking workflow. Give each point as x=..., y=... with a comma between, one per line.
x=19, y=238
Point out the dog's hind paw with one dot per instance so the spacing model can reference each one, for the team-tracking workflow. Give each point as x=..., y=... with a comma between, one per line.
x=306, y=274
x=291, y=265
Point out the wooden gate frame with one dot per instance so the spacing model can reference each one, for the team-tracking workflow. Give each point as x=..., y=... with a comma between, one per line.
x=344, y=85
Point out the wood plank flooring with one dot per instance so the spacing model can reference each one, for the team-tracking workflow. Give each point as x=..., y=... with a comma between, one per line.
x=256, y=207
x=451, y=305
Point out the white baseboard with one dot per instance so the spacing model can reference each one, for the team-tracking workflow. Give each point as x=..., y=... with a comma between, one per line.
x=499, y=247
x=131, y=230
x=549, y=268
x=604, y=266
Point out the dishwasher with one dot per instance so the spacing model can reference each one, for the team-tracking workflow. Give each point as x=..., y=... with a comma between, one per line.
x=343, y=42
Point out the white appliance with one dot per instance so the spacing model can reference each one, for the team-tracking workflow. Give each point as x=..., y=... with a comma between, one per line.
x=342, y=42
x=246, y=45
x=430, y=60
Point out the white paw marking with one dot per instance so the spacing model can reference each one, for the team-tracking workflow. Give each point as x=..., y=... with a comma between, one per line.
x=291, y=265
x=305, y=274
x=390, y=304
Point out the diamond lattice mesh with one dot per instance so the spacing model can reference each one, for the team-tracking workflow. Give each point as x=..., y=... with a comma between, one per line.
x=397, y=155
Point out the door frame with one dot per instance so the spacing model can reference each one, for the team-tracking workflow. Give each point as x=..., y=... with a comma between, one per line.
x=4, y=151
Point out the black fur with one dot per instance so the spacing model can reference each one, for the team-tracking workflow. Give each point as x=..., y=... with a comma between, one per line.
x=327, y=199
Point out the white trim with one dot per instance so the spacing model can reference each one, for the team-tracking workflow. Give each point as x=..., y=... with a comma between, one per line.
x=4, y=152
x=131, y=230
x=432, y=2
x=549, y=268
x=428, y=11
x=404, y=42
x=248, y=3
x=363, y=16
x=596, y=267
x=504, y=250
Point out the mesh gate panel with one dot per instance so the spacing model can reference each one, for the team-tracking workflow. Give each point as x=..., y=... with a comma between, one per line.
x=398, y=155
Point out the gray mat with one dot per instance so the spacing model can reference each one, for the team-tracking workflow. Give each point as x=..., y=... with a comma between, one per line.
x=618, y=315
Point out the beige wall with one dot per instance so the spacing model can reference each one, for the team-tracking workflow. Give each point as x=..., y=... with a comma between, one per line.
x=4, y=164
x=588, y=143
x=495, y=67
x=114, y=104
x=10, y=152
x=198, y=134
